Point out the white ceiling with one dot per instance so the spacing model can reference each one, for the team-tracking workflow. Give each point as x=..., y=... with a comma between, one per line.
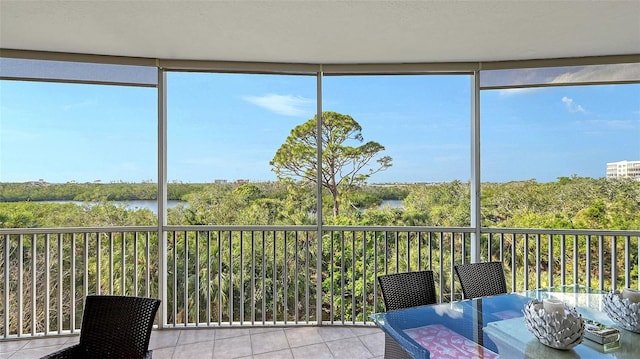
x=327, y=32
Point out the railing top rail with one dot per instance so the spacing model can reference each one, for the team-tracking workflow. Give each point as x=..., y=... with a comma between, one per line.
x=398, y=229
x=593, y=232
x=62, y=230
x=492, y=230
x=247, y=228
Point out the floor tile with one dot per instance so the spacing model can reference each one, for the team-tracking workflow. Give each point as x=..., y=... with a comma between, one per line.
x=302, y=336
x=264, y=330
x=46, y=342
x=222, y=333
x=234, y=347
x=195, y=336
x=34, y=353
x=300, y=342
x=12, y=345
x=164, y=353
x=315, y=351
x=335, y=333
x=201, y=350
x=280, y=354
x=374, y=342
x=349, y=348
x=164, y=338
x=269, y=341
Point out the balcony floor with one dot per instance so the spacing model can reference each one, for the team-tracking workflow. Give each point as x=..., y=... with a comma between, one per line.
x=225, y=343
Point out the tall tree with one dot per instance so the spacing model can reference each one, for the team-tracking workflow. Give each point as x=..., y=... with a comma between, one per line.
x=343, y=165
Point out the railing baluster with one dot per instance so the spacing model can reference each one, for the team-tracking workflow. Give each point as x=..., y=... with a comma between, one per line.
x=419, y=238
x=174, y=250
x=264, y=280
x=364, y=276
x=296, y=298
x=98, y=263
x=123, y=264
x=219, y=272
x=196, y=284
x=20, y=288
x=429, y=238
x=575, y=259
x=538, y=260
x=59, y=250
x=230, y=300
x=342, y=270
x=525, y=260
x=307, y=294
x=513, y=262
x=111, y=271
x=386, y=252
x=601, y=262
x=208, y=277
x=627, y=262
x=551, y=261
x=614, y=267
x=47, y=268
x=452, y=249
x=242, y=297
x=563, y=260
x=274, y=279
x=34, y=291
x=185, y=317
x=501, y=247
x=332, y=263
x=72, y=299
x=147, y=262
x=353, y=273
x=408, y=251
x=441, y=266
x=7, y=282
x=60, y=282
x=588, y=260
x=375, y=270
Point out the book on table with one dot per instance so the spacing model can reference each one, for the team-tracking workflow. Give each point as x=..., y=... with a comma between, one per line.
x=600, y=333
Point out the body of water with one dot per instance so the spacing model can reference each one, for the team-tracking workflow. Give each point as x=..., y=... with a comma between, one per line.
x=153, y=205
x=134, y=204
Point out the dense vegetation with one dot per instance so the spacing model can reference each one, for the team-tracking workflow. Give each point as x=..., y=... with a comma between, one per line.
x=576, y=203
x=350, y=260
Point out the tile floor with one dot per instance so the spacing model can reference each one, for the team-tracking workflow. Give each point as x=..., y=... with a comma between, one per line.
x=226, y=343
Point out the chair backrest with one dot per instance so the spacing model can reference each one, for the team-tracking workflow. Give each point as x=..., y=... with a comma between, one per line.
x=481, y=279
x=117, y=326
x=405, y=290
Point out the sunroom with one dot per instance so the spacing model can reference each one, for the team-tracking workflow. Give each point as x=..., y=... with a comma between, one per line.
x=478, y=108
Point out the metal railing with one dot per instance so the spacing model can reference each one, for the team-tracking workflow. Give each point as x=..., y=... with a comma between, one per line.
x=287, y=275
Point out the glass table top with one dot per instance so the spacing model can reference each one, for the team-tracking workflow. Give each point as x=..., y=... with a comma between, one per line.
x=493, y=327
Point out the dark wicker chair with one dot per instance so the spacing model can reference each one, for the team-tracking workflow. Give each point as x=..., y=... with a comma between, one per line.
x=405, y=290
x=114, y=327
x=481, y=279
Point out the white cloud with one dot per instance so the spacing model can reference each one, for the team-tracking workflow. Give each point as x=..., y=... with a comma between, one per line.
x=287, y=105
x=76, y=105
x=597, y=73
x=517, y=91
x=572, y=106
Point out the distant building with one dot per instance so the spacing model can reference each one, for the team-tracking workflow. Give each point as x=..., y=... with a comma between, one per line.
x=624, y=169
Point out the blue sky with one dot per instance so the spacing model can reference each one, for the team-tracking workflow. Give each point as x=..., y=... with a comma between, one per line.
x=229, y=126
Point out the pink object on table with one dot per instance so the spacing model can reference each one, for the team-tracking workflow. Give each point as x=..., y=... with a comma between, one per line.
x=443, y=343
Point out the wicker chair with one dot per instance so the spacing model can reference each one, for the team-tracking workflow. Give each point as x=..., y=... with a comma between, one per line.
x=481, y=279
x=114, y=327
x=405, y=290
